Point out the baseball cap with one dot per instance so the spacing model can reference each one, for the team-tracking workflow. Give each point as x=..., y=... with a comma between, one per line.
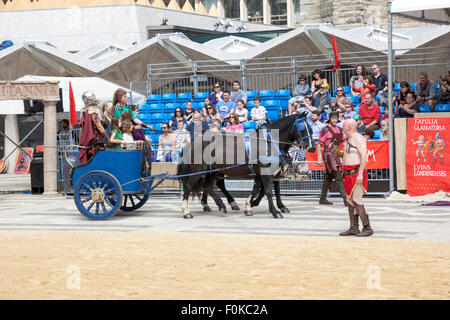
x=324, y=85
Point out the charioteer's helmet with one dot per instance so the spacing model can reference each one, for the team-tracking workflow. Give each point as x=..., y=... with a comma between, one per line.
x=89, y=98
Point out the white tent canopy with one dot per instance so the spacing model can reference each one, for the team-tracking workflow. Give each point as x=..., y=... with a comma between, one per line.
x=435, y=11
x=102, y=89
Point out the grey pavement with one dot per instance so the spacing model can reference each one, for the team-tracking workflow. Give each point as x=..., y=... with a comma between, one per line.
x=162, y=214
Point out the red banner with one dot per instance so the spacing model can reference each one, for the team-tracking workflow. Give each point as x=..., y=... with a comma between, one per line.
x=427, y=159
x=377, y=153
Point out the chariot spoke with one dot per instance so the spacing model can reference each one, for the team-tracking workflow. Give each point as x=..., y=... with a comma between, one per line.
x=104, y=208
x=86, y=200
x=97, y=206
x=90, y=206
x=131, y=199
x=125, y=201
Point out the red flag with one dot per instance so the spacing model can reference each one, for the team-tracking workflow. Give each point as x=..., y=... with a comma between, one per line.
x=73, y=111
x=337, y=63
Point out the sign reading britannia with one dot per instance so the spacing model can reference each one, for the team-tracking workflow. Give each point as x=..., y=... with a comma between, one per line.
x=12, y=90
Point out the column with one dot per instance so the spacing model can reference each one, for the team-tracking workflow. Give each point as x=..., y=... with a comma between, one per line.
x=290, y=10
x=50, y=151
x=221, y=8
x=243, y=9
x=12, y=131
x=267, y=11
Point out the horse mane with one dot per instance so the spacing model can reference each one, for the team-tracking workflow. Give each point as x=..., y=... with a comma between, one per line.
x=284, y=122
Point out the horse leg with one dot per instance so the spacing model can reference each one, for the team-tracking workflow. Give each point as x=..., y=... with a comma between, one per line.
x=209, y=188
x=267, y=183
x=184, y=207
x=280, y=205
x=204, y=202
x=248, y=204
x=261, y=192
x=221, y=184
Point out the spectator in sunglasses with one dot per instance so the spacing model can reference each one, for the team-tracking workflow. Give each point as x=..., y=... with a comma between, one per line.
x=217, y=95
x=300, y=92
x=177, y=116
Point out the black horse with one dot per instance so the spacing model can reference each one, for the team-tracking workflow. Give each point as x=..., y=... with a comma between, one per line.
x=268, y=154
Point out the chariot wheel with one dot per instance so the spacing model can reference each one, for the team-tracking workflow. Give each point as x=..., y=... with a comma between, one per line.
x=98, y=195
x=133, y=201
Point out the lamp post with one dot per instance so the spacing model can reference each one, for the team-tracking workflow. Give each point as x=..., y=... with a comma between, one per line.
x=390, y=104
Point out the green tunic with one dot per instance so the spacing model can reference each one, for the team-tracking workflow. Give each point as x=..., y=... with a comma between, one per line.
x=118, y=111
x=119, y=136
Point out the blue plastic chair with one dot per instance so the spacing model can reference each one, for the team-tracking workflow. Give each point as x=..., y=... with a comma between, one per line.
x=382, y=110
x=249, y=125
x=143, y=117
x=171, y=106
x=266, y=94
x=169, y=98
x=200, y=96
x=354, y=99
x=143, y=108
x=157, y=117
x=347, y=90
x=397, y=87
x=154, y=98
x=273, y=115
x=425, y=108
x=184, y=96
x=283, y=93
x=272, y=104
x=250, y=105
x=251, y=95
x=155, y=107
x=377, y=134
x=442, y=108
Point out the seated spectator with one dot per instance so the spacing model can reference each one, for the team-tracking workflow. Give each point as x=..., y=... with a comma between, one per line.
x=204, y=112
x=349, y=112
x=197, y=127
x=384, y=136
x=360, y=125
x=322, y=98
x=177, y=115
x=401, y=96
x=226, y=107
x=316, y=125
x=167, y=142
x=426, y=91
x=444, y=88
x=258, y=113
x=189, y=112
x=127, y=135
x=238, y=94
x=340, y=119
x=368, y=133
x=217, y=95
x=241, y=111
x=306, y=106
x=211, y=115
x=216, y=126
x=182, y=137
x=326, y=111
x=381, y=83
x=234, y=125
x=357, y=79
x=300, y=92
x=318, y=79
x=116, y=133
x=408, y=109
x=340, y=101
x=366, y=87
x=370, y=112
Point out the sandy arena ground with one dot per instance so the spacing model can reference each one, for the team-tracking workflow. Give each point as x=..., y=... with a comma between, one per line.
x=138, y=265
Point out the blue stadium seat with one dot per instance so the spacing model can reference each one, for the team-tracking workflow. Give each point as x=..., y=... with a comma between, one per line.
x=200, y=96
x=376, y=134
x=198, y=105
x=284, y=93
x=143, y=108
x=249, y=125
x=168, y=97
x=155, y=107
x=354, y=99
x=272, y=104
x=425, y=108
x=143, y=117
x=442, y=108
x=156, y=126
x=397, y=87
x=347, y=90
x=154, y=98
x=382, y=110
x=266, y=94
x=171, y=106
x=184, y=96
x=157, y=117
x=273, y=115
x=251, y=95
x=413, y=86
x=250, y=104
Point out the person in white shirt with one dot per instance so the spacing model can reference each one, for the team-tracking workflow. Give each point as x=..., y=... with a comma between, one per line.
x=241, y=111
x=258, y=113
x=316, y=125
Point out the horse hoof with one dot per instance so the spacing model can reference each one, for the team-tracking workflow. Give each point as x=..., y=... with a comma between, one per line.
x=248, y=213
x=188, y=216
x=277, y=215
x=285, y=210
x=234, y=206
x=223, y=209
x=207, y=209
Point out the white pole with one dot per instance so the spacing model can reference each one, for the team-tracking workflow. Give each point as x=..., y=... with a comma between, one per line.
x=390, y=104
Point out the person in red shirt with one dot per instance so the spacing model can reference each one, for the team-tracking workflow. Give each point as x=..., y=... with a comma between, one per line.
x=367, y=86
x=370, y=112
